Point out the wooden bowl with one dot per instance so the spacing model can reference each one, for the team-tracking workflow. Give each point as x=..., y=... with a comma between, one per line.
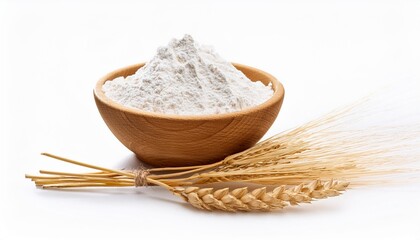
x=182, y=140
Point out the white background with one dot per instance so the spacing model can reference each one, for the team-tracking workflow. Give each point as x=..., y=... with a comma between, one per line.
x=326, y=54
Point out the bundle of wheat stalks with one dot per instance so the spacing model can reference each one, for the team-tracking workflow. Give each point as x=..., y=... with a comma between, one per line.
x=314, y=161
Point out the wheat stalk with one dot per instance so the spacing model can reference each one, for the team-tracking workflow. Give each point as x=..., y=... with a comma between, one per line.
x=239, y=199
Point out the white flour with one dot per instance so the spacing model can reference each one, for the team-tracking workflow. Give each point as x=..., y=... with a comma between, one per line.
x=187, y=79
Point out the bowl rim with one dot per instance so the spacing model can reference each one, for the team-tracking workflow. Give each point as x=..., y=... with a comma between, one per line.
x=277, y=96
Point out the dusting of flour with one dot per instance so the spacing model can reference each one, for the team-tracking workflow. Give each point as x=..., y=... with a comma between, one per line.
x=186, y=78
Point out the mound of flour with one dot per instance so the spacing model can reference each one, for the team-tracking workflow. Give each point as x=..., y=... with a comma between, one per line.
x=186, y=78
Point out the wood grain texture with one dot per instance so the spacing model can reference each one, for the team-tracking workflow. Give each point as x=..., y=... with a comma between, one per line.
x=173, y=140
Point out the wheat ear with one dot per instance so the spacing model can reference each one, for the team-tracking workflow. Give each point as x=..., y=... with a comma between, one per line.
x=242, y=199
